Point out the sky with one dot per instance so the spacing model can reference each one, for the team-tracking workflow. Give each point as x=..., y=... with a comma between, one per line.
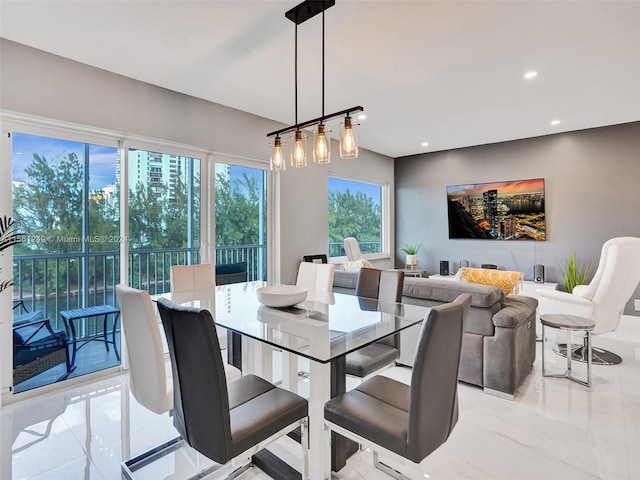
x=515, y=187
x=370, y=190
x=103, y=159
x=103, y=163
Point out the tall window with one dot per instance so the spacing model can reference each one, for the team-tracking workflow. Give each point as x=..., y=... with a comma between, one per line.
x=355, y=210
x=241, y=218
x=164, y=217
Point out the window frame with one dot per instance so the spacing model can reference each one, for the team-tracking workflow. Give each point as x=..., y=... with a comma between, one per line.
x=385, y=215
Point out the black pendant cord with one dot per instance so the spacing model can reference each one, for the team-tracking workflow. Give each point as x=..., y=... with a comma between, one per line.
x=322, y=68
x=300, y=14
x=296, y=74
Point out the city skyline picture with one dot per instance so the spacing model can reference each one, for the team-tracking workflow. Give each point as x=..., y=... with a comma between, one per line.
x=511, y=210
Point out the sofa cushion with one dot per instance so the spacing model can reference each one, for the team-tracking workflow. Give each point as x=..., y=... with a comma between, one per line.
x=517, y=309
x=482, y=296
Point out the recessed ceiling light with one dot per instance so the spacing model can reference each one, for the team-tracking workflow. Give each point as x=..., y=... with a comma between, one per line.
x=425, y=144
x=555, y=122
x=362, y=116
x=531, y=74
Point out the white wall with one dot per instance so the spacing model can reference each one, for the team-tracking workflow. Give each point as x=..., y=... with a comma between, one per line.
x=44, y=85
x=592, y=193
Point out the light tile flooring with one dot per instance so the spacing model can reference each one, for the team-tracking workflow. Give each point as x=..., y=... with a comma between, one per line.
x=553, y=429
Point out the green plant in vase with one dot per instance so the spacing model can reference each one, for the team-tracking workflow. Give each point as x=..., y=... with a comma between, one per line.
x=8, y=237
x=412, y=255
x=573, y=273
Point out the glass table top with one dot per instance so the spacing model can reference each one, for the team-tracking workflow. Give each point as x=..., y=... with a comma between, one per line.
x=323, y=327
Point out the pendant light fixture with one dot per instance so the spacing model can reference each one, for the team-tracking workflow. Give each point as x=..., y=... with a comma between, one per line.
x=321, y=140
x=277, y=161
x=348, y=143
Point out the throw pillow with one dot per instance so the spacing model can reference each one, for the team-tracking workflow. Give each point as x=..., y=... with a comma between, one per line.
x=356, y=265
x=507, y=281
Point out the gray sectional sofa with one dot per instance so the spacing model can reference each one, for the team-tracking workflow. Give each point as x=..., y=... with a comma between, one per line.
x=499, y=344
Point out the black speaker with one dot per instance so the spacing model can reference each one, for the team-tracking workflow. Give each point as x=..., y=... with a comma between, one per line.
x=444, y=268
x=538, y=273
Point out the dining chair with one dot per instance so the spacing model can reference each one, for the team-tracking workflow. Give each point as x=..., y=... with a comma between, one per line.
x=384, y=286
x=226, y=422
x=408, y=421
x=149, y=373
x=187, y=278
x=149, y=369
x=316, y=258
x=316, y=276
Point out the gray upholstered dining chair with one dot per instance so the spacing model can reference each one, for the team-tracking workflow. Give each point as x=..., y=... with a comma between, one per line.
x=385, y=286
x=227, y=423
x=409, y=421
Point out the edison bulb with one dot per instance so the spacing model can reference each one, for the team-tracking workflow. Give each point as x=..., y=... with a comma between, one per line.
x=348, y=143
x=277, y=156
x=321, y=146
x=298, y=152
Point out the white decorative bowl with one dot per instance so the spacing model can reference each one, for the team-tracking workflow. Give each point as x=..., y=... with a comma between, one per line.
x=281, y=295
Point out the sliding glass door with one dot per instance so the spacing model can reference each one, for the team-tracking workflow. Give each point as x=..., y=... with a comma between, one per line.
x=66, y=205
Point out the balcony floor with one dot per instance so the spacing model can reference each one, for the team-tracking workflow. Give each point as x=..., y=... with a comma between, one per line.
x=90, y=358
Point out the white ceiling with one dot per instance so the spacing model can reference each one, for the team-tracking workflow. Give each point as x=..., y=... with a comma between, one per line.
x=449, y=73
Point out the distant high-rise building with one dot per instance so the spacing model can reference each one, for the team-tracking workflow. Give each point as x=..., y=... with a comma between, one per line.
x=509, y=227
x=490, y=201
x=156, y=170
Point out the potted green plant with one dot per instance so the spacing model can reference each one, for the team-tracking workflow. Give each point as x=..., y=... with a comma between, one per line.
x=412, y=255
x=8, y=237
x=573, y=273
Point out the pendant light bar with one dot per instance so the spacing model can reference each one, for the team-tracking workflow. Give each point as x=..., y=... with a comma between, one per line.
x=308, y=9
x=316, y=121
x=321, y=143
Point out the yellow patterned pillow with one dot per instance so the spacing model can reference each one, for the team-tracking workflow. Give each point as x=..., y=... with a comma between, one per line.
x=507, y=281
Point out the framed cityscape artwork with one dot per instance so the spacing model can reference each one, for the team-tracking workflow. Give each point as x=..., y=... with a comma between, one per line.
x=511, y=210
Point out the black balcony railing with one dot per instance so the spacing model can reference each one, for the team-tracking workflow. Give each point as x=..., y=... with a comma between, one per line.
x=55, y=282
x=336, y=249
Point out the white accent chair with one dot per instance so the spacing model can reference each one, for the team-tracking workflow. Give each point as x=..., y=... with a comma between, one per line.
x=352, y=249
x=604, y=299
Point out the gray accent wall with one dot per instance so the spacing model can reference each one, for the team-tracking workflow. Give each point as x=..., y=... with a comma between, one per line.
x=592, y=193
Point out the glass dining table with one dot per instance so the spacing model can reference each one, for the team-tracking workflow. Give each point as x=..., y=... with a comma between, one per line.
x=324, y=329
